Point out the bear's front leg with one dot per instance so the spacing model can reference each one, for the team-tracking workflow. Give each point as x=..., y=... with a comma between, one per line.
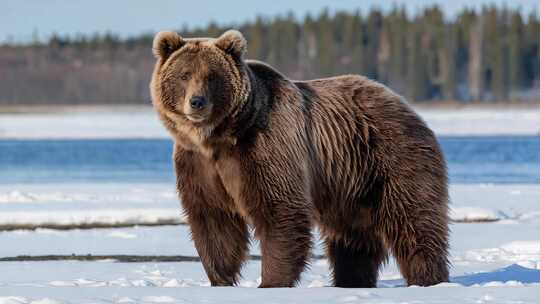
x=277, y=202
x=221, y=239
x=284, y=232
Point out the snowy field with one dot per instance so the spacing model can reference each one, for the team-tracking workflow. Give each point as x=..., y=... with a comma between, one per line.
x=30, y=206
x=495, y=251
x=495, y=238
x=141, y=122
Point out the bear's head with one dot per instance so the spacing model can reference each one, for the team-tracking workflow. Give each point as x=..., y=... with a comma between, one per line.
x=197, y=83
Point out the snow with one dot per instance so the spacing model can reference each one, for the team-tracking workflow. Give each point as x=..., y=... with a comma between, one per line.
x=96, y=205
x=97, y=218
x=495, y=251
x=186, y=282
x=525, y=253
x=21, y=300
x=132, y=122
x=142, y=122
x=483, y=121
x=78, y=205
x=132, y=193
x=122, y=235
x=135, y=294
x=531, y=249
x=505, y=202
x=188, y=274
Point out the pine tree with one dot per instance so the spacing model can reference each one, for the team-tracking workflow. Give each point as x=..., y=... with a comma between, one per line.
x=326, y=44
x=397, y=25
x=372, y=42
x=531, y=60
x=476, y=60
x=417, y=73
x=449, y=63
x=515, y=61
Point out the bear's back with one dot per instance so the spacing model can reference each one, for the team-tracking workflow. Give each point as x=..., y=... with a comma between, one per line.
x=361, y=132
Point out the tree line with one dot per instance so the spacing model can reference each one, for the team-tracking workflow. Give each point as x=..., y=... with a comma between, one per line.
x=491, y=55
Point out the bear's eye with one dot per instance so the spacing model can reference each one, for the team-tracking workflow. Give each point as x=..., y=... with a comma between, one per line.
x=185, y=76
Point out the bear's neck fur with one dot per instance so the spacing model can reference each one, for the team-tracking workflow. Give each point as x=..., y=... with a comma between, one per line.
x=252, y=117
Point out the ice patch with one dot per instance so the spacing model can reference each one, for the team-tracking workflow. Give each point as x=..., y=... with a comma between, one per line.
x=90, y=218
x=523, y=252
x=475, y=214
x=13, y=300
x=21, y=300
x=448, y=285
x=174, y=283
x=485, y=298
x=86, y=205
x=525, y=249
x=158, y=299
x=45, y=301
x=529, y=216
x=62, y=284
x=146, y=281
x=357, y=297
x=122, y=235
x=499, y=284
x=70, y=195
x=316, y=283
x=27, y=197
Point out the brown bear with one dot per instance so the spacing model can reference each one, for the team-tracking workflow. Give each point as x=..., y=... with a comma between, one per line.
x=254, y=148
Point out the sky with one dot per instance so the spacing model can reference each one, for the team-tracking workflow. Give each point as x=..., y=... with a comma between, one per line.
x=21, y=20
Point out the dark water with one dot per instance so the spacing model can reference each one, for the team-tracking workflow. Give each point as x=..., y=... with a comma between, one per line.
x=470, y=160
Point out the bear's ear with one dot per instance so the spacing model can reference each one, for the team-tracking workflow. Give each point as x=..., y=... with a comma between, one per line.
x=165, y=43
x=232, y=42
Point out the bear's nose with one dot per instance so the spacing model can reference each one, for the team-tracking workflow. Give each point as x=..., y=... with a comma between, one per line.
x=198, y=102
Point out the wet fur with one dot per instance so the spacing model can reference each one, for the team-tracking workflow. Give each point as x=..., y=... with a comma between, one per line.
x=345, y=154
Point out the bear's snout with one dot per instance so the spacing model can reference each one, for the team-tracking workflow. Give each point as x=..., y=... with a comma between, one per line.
x=197, y=102
x=198, y=108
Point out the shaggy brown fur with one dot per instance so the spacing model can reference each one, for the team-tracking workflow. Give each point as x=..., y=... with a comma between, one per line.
x=344, y=153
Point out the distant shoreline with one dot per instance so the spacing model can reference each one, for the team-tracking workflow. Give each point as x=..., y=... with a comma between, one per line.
x=57, y=108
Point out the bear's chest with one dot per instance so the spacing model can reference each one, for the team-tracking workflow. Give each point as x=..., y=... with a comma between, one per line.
x=229, y=171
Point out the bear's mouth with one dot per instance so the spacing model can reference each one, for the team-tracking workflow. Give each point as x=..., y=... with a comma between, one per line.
x=192, y=117
x=196, y=117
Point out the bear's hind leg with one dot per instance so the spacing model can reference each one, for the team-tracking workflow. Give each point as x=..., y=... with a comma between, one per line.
x=355, y=259
x=420, y=246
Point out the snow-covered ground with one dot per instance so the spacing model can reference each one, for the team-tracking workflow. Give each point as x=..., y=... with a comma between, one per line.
x=46, y=206
x=495, y=260
x=109, y=282
x=483, y=121
x=141, y=122
x=92, y=123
